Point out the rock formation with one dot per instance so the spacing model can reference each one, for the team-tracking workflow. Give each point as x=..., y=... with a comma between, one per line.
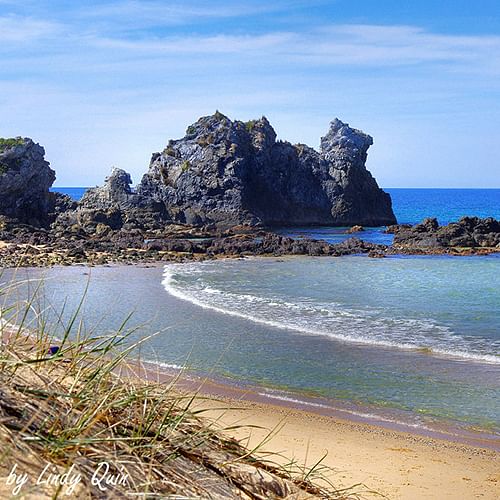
x=232, y=173
x=468, y=232
x=113, y=206
x=25, y=179
x=222, y=174
x=116, y=193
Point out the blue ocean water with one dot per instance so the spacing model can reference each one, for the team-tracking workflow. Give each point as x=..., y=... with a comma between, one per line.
x=74, y=192
x=412, y=206
x=411, y=339
x=447, y=205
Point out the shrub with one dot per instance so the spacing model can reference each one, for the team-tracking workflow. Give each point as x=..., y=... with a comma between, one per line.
x=250, y=125
x=10, y=143
x=191, y=130
x=206, y=140
x=185, y=165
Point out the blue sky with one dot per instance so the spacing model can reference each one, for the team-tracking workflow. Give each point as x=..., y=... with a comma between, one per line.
x=103, y=83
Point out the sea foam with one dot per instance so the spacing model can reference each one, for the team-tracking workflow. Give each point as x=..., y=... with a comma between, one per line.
x=370, y=326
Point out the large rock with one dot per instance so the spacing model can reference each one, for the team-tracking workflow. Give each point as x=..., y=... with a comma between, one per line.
x=25, y=180
x=233, y=173
x=112, y=206
x=468, y=232
x=115, y=193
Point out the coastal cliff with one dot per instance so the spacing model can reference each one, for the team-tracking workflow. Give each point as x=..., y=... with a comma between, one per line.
x=216, y=192
x=231, y=173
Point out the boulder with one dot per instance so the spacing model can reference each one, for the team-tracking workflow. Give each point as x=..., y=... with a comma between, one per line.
x=113, y=206
x=116, y=193
x=355, y=229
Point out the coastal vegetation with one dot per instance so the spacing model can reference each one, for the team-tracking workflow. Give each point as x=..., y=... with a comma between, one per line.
x=250, y=125
x=6, y=143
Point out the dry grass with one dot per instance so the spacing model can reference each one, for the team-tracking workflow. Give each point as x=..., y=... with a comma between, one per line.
x=77, y=409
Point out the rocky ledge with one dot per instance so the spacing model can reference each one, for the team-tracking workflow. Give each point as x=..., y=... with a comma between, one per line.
x=22, y=245
x=25, y=179
x=468, y=233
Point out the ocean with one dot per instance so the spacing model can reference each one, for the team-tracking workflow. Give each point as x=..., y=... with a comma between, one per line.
x=413, y=340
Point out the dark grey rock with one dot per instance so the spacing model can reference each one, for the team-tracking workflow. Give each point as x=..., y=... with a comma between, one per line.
x=116, y=193
x=468, y=232
x=113, y=206
x=25, y=180
x=231, y=173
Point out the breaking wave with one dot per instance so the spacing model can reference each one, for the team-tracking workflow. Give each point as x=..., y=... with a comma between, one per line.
x=369, y=326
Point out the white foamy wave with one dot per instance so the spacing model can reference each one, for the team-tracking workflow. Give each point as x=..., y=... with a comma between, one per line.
x=369, y=326
x=363, y=415
x=169, y=366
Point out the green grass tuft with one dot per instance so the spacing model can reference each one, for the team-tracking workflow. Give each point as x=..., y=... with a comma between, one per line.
x=250, y=125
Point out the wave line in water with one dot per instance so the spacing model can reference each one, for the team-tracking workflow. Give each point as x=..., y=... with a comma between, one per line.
x=408, y=334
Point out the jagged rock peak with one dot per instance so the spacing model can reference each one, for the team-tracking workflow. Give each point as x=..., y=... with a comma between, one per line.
x=216, y=128
x=115, y=192
x=119, y=180
x=341, y=138
x=228, y=172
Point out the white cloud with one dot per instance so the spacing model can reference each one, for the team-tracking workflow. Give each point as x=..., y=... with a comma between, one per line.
x=24, y=29
x=133, y=13
x=357, y=45
x=199, y=45
x=113, y=96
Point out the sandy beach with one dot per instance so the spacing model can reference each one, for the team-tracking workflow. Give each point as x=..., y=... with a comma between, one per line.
x=384, y=462
x=380, y=462
x=395, y=464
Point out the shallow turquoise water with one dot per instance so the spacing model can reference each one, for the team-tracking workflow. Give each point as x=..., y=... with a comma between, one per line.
x=415, y=339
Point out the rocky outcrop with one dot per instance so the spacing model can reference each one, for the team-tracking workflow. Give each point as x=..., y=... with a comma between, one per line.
x=231, y=173
x=25, y=180
x=265, y=244
x=116, y=193
x=113, y=206
x=468, y=232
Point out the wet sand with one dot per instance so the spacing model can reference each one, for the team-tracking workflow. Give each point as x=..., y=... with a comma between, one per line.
x=399, y=465
x=392, y=463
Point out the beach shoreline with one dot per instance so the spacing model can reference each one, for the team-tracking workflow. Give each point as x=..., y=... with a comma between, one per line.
x=390, y=461
x=215, y=386
x=379, y=461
